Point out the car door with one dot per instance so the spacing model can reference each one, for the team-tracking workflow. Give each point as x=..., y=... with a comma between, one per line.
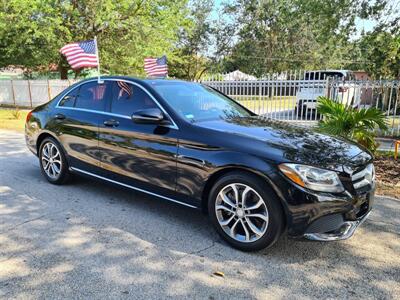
x=142, y=155
x=76, y=122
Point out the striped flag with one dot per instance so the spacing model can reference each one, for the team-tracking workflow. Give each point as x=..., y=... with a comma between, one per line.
x=81, y=55
x=156, y=67
x=124, y=88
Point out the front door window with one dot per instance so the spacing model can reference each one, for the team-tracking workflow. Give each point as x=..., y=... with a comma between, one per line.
x=128, y=98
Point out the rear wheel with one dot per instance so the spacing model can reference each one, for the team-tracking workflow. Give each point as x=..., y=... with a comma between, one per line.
x=245, y=211
x=53, y=163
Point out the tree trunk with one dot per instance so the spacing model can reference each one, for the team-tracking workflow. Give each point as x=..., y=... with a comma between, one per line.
x=63, y=71
x=77, y=72
x=201, y=73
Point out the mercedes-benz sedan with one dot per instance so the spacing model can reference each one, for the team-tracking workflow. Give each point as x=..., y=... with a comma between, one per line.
x=190, y=144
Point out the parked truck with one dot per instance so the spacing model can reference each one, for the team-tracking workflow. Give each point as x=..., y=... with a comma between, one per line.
x=315, y=85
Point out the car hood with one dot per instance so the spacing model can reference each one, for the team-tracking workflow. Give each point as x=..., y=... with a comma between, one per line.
x=281, y=141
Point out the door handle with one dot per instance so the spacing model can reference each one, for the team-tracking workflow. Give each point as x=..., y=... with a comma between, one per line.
x=59, y=116
x=111, y=123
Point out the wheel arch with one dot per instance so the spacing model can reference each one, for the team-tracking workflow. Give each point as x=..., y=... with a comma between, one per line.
x=229, y=169
x=40, y=139
x=42, y=136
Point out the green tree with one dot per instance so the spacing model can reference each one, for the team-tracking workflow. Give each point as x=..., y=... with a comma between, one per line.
x=33, y=31
x=277, y=35
x=379, y=49
x=190, y=60
x=380, y=52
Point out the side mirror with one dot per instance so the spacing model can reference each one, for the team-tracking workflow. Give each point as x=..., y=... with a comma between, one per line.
x=148, y=116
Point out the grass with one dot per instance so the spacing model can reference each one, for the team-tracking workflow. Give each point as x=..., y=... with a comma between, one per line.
x=9, y=121
x=263, y=104
x=260, y=104
x=384, y=153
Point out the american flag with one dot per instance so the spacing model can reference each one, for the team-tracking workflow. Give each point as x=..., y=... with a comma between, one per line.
x=81, y=55
x=156, y=67
x=124, y=88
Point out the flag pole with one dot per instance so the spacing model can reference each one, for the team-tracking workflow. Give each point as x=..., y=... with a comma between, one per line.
x=98, y=61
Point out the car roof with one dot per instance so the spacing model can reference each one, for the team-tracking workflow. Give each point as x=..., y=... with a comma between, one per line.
x=139, y=79
x=157, y=80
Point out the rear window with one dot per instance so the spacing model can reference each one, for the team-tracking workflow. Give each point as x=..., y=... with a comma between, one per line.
x=69, y=99
x=93, y=96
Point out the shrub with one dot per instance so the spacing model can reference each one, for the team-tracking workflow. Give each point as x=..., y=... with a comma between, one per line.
x=355, y=124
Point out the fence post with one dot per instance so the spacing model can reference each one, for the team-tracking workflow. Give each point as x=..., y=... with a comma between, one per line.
x=30, y=93
x=327, y=87
x=13, y=93
x=48, y=89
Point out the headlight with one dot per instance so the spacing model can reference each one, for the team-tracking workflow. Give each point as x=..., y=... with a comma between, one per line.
x=315, y=179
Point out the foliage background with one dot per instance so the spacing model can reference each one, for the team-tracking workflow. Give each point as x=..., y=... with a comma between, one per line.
x=203, y=36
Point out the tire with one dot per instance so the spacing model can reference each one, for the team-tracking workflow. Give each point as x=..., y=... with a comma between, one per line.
x=58, y=173
x=300, y=111
x=269, y=223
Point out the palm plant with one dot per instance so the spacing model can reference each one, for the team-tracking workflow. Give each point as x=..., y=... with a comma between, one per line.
x=355, y=124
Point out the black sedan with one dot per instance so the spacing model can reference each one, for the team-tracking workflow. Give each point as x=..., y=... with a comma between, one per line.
x=190, y=144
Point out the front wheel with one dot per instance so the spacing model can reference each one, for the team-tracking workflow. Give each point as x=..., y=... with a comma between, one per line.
x=53, y=163
x=245, y=211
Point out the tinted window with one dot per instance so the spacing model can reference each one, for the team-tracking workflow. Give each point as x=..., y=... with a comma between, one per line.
x=323, y=75
x=93, y=95
x=128, y=98
x=69, y=99
x=197, y=102
x=351, y=76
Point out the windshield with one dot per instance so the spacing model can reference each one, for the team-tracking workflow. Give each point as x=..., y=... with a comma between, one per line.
x=196, y=102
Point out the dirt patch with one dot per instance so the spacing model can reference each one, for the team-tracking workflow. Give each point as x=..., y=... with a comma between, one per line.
x=388, y=176
x=387, y=190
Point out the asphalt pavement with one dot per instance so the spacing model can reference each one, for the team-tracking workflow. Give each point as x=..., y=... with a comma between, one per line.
x=90, y=240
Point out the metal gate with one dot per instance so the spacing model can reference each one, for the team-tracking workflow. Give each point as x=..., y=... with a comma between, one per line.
x=296, y=100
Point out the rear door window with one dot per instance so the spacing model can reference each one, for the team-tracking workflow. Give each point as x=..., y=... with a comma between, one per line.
x=93, y=95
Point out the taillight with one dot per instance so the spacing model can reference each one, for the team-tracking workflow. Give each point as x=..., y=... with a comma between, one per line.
x=342, y=89
x=28, y=116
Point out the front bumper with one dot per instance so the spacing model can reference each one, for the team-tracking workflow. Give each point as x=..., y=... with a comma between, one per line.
x=344, y=232
x=309, y=104
x=323, y=216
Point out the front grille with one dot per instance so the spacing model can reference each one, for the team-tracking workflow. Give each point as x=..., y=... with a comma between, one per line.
x=362, y=210
x=326, y=224
x=363, y=177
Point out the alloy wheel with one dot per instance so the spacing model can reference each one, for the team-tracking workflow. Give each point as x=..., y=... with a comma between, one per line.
x=51, y=160
x=241, y=212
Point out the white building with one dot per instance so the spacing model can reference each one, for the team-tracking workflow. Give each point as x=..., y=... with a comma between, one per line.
x=238, y=75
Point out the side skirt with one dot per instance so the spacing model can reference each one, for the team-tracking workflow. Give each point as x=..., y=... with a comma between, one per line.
x=131, y=187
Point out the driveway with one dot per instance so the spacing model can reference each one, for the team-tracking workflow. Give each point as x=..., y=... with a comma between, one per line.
x=95, y=241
